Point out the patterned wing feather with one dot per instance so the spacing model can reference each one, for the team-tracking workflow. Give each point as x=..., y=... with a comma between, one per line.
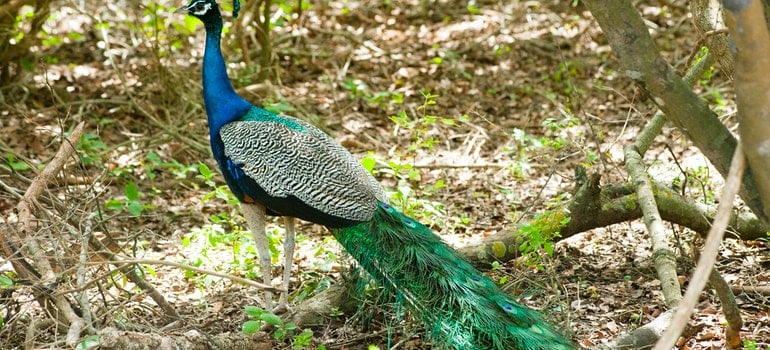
x=289, y=157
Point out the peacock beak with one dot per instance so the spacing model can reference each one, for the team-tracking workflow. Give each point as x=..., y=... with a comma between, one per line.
x=184, y=10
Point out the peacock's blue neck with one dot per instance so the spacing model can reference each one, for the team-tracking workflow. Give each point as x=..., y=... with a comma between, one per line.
x=223, y=105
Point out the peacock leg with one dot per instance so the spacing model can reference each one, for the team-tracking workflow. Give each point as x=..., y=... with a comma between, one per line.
x=255, y=219
x=288, y=252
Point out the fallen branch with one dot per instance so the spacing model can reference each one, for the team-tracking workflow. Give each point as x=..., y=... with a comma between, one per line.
x=663, y=255
x=593, y=206
x=751, y=289
x=26, y=233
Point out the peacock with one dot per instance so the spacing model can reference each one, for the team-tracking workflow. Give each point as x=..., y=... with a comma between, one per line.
x=280, y=165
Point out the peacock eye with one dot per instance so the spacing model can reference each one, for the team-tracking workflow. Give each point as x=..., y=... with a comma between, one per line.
x=200, y=8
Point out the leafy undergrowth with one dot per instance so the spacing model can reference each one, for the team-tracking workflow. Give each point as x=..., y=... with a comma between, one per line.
x=473, y=118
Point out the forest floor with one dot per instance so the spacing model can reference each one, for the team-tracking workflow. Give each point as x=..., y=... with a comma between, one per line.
x=523, y=93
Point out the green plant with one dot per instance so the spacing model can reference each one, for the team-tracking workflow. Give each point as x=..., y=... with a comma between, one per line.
x=15, y=165
x=356, y=88
x=564, y=75
x=420, y=131
x=527, y=146
x=279, y=107
x=554, y=127
x=89, y=342
x=281, y=330
x=205, y=174
x=152, y=163
x=419, y=127
x=524, y=147
x=129, y=202
x=5, y=282
x=474, y=10
x=23, y=24
x=215, y=238
x=302, y=340
x=90, y=147
x=383, y=99
x=701, y=177
x=751, y=344
x=539, y=234
x=221, y=192
x=259, y=317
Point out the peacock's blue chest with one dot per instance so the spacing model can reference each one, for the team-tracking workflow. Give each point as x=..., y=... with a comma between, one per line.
x=230, y=170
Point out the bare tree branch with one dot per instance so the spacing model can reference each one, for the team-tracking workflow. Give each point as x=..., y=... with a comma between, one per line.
x=706, y=262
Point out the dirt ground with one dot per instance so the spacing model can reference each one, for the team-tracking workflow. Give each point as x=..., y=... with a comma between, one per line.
x=524, y=92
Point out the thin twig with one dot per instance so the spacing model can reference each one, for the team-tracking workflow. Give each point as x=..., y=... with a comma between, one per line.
x=708, y=256
x=751, y=289
x=126, y=261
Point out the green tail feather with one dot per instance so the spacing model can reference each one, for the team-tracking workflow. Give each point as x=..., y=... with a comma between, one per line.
x=460, y=307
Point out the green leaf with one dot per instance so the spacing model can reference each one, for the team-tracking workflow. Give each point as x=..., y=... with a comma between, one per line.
x=76, y=36
x=368, y=163
x=132, y=192
x=271, y=319
x=279, y=334
x=251, y=327
x=253, y=311
x=5, y=281
x=149, y=270
x=90, y=342
x=134, y=208
x=17, y=165
x=153, y=158
x=113, y=204
x=204, y=170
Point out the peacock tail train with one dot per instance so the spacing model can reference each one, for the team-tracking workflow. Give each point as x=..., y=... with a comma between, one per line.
x=461, y=308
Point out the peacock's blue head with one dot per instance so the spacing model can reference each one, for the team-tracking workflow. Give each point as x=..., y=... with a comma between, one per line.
x=207, y=10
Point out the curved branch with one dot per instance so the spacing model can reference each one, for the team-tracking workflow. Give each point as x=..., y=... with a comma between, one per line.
x=593, y=206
